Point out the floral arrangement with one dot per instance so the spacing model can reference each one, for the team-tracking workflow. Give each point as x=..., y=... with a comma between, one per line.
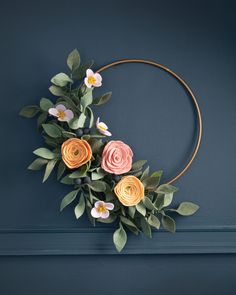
x=106, y=183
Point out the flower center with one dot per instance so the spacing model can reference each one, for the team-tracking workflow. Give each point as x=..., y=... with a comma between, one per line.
x=128, y=190
x=101, y=127
x=76, y=152
x=91, y=80
x=61, y=114
x=101, y=209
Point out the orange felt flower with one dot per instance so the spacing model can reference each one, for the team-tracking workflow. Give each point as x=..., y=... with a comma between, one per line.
x=129, y=190
x=75, y=152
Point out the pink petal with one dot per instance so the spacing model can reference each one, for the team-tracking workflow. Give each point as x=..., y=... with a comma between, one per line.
x=53, y=111
x=60, y=107
x=107, y=133
x=87, y=83
x=69, y=115
x=109, y=206
x=105, y=214
x=97, y=84
x=97, y=122
x=89, y=72
x=94, y=213
x=98, y=203
x=98, y=77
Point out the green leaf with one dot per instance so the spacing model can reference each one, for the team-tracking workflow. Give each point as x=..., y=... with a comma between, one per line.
x=50, y=165
x=146, y=229
x=52, y=130
x=44, y=153
x=168, y=199
x=78, y=122
x=45, y=104
x=91, y=117
x=80, y=207
x=69, y=198
x=131, y=211
x=80, y=72
x=60, y=170
x=61, y=80
x=96, y=145
x=141, y=208
x=29, y=111
x=110, y=219
x=67, y=180
x=98, y=186
x=187, y=208
x=81, y=171
x=148, y=204
x=151, y=182
x=37, y=164
x=166, y=189
x=138, y=165
x=42, y=118
x=73, y=60
x=57, y=91
x=119, y=238
x=154, y=221
x=168, y=223
x=102, y=99
x=145, y=174
x=99, y=174
x=157, y=173
x=87, y=99
x=128, y=222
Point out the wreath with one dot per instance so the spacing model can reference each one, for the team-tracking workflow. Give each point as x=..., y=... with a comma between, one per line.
x=107, y=184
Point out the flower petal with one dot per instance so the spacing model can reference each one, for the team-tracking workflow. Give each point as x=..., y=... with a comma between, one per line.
x=107, y=133
x=87, y=83
x=60, y=107
x=98, y=77
x=69, y=115
x=109, y=206
x=89, y=72
x=97, y=122
x=95, y=213
x=105, y=214
x=99, y=203
x=53, y=111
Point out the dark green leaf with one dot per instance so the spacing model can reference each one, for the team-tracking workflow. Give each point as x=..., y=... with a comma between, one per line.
x=80, y=72
x=145, y=174
x=45, y=104
x=29, y=111
x=119, y=238
x=81, y=171
x=98, y=186
x=69, y=198
x=157, y=173
x=42, y=118
x=73, y=60
x=102, y=99
x=52, y=130
x=131, y=211
x=148, y=203
x=44, y=153
x=146, y=229
x=60, y=170
x=126, y=221
x=61, y=80
x=80, y=207
x=67, y=180
x=37, y=164
x=138, y=165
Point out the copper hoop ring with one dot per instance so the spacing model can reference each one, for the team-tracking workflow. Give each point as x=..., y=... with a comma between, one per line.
x=189, y=92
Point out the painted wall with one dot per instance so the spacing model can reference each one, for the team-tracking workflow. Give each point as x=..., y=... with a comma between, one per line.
x=152, y=113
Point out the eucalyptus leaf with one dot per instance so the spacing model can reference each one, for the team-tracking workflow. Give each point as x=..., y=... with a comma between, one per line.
x=61, y=169
x=80, y=72
x=73, y=60
x=81, y=171
x=151, y=182
x=138, y=165
x=45, y=104
x=50, y=165
x=87, y=99
x=98, y=186
x=120, y=238
x=187, y=208
x=102, y=98
x=61, y=80
x=69, y=198
x=166, y=189
x=168, y=223
x=145, y=174
x=148, y=203
x=44, y=153
x=131, y=211
x=52, y=130
x=67, y=180
x=56, y=90
x=29, y=111
x=146, y=229
x=141, y=208
x=126, y=221
x=37, y=164
x=80, y=207
x=78, y=122
x=157, y=173
x=154, y=221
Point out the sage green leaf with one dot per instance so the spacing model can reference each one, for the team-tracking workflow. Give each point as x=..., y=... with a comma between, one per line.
x=120, y=238
x=80, y=72
x=141, y=208
x=166, y=189
x=61, y=169
x=67, y=180
x=150, y=183
x=37, y=164
x=98, y=186
x=51, y=141
x=96, y=145
x=157, y=173
x=159, y=202
x=42, y=118
x=102, y=99
x=187, y=208
x=128, y=222
x=138, y=165
x=168, y=223
x=44, y=153
x=145, y=174
x=148, y=203
x=52, y=130
x=146, y=229
x=81, y=171
x=73, y=60
x=50, y=165
x=168, y=199
x=91, y=117
x=78, y=122
x=131, y=211
x=99, y=174
x=57, y=91
x=29, y=111
x=68, y=199
x=154, y=221
x=87, y=99
x=80, y=207
x=61, y=80
x=45, y=104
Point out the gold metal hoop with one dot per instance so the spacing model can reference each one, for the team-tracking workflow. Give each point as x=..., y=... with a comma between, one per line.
x=189, y=92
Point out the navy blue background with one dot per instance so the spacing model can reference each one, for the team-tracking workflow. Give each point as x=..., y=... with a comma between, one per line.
x=149, y=110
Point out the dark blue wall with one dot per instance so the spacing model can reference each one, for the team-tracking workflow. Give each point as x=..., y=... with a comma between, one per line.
x=196, y=39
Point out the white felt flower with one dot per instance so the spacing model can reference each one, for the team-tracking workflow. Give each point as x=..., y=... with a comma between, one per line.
x=62, y=113
x=102, y=128
x=101, y=209
x=92, y=79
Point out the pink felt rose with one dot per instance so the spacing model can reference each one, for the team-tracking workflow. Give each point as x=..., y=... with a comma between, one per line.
x=117, y=157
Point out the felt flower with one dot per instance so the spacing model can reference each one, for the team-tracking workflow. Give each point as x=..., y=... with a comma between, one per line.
x=92, y=79
x=75, y=152
x=117, y=157
x=102, y=128
x=129, y=190
x=101, y=209
x=62, y=113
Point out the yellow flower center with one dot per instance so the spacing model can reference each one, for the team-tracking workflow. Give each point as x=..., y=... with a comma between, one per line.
x=101, y=209
x=61, y=114
x=91, y=80
x=101, y=127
